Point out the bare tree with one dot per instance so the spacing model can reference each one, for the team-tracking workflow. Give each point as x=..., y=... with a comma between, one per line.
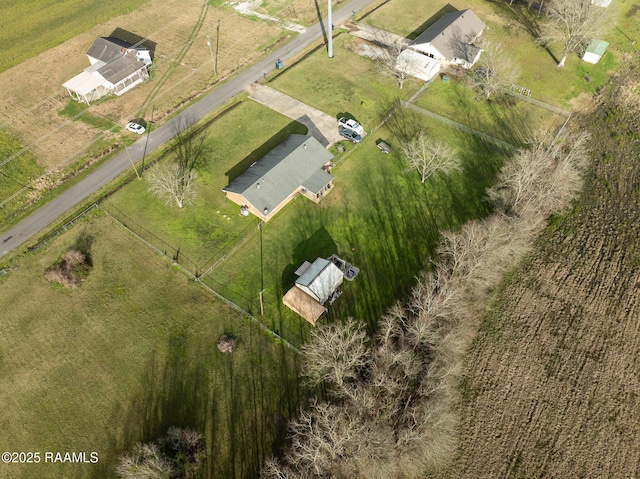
x=144, y=462
x=572, y=24
x=337, y=355
x=480, y=253
x=392, y=64
x=185, y=449
x=494, y=71
x=174, y=181
x=543, y=178
x=429, y=156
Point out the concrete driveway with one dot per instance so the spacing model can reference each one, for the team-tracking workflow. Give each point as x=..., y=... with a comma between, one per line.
x=322, y=127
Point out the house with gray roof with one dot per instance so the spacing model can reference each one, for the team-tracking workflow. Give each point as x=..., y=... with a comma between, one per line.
x=116, y=67
x=451, y=39
x=298, y=165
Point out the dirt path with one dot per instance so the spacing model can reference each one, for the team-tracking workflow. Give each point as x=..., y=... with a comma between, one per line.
x=175, y=62
x=322, y=126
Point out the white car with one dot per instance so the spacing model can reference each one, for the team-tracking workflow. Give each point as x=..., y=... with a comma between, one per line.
x=135, y=128
x=350, y=124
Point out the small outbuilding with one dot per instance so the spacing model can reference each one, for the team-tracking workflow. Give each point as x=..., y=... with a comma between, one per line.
x=318, y=283
x=595, y=51
x=298, y=165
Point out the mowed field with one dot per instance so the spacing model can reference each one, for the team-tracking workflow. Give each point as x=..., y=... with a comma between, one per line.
x=128, y=354
x=551, y=386
x=29, y=27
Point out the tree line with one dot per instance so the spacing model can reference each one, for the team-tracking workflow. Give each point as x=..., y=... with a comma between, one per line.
x=388, y=407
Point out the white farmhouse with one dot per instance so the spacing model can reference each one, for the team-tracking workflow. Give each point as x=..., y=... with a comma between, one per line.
x=451, y=39
x=116, y=67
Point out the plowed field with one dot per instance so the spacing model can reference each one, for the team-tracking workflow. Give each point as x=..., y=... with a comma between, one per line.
x=551, y=386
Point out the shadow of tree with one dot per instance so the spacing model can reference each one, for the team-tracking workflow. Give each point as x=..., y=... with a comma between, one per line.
x=320, y=244
x=240, y=402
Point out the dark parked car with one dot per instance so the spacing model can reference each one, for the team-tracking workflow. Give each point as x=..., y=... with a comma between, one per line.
x=350, y=135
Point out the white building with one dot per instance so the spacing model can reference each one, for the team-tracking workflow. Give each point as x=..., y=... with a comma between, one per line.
x=451, y=39
x=116, y=67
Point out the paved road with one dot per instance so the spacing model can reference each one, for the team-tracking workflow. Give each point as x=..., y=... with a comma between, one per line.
x=39, y=220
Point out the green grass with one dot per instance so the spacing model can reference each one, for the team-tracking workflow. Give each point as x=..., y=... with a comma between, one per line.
x=15, y=174
x=506, y=118
x=79, y=111
x=128, y=354
x=401, y=16
x=378, y=217
x=344, y=84
x=30, y=27
x=200, y=230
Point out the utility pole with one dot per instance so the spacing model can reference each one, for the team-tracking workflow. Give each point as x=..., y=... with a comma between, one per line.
x=144, y=153
x=330, y=32
x=215, y=67
x=213, y=62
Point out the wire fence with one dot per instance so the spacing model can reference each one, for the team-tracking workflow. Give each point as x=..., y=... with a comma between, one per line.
x=172, y=252
x=54, y=234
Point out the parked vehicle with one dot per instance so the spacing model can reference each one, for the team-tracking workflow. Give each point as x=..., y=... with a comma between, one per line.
x=350, y=135
x=350, y=124
x=135, y=128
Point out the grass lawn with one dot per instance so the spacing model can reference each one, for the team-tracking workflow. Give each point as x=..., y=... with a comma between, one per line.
x=79, y=111
x=128, y=354
x=344, y=84
x=202, y=229
x=506, y=119
x=16, y=174
x=510, y=26
x=33, y=26
x=378, y=217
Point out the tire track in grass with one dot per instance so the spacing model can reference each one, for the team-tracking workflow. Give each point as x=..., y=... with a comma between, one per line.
x=176, y=60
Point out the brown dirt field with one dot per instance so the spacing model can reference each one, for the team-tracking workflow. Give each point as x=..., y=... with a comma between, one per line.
x=29, y=105
x=551, y=386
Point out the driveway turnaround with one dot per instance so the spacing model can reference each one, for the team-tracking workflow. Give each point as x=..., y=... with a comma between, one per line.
x=63, y=203
x=322, y=127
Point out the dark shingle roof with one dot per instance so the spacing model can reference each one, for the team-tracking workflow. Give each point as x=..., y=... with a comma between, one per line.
x=295, y=162
x=116, y=61
x=120, y=68
x=453, y=33
x=107, y=49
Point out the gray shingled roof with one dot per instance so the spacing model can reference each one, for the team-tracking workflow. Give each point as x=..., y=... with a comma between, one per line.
x=120, y=68
x=295, y=162
x=116, y=63
x=452, y=35
x=107, y=49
